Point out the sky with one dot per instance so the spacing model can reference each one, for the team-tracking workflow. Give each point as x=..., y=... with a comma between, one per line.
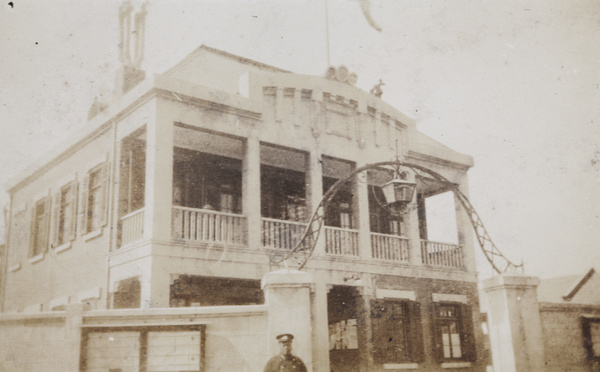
x=513, y=83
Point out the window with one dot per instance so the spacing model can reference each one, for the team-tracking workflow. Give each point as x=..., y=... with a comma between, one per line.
x=194, y=291
x=207, y=181
x=397, y=332
x=591, y=337
x=94, y=199
x=65, y=207
x=453, y=332
x=127, y=294
x=40, y=226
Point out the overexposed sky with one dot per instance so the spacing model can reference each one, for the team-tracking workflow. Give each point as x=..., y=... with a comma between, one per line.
x=514, y=83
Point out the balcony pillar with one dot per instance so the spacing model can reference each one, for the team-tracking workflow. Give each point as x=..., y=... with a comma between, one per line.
x=412, y=226
x=314, y=194
x=251, y=197
x=363, y=223
x=159, y=175
x=464, y=227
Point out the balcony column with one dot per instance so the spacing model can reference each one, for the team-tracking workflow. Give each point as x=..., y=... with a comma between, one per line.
x=159, y=174
x=464, y=227
x=412, y=226
x=361, y=201
x=251, y=197
x=314, y=194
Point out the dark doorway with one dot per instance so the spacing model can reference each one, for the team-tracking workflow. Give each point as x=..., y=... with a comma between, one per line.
x=345, y=328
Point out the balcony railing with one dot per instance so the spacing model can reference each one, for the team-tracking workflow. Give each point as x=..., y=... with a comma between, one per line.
x=442, y=254
x=343, y=242
x=280, y=234
x=390, y=247
x=132, y=227
x=208, y=226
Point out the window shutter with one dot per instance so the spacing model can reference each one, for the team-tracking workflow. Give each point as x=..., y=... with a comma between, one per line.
x=83, y=205
x=105, y=190
x=32, y=231
x=415, y=332
x=46, y=223
x=56, y=220
x=436, y=342
x=467, y=336
x=379, y=331
x=72, y=228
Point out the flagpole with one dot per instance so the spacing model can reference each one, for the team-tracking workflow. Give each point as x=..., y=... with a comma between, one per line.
x=327, y=32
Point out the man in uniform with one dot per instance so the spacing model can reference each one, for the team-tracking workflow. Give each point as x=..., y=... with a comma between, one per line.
x=285, y=361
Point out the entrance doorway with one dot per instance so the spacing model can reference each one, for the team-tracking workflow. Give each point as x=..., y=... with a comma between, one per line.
x=346, y=323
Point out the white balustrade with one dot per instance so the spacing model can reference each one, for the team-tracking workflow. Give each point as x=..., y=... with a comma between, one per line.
x=442, y=254
x=280, y=234
x=339, y=241
x=390, y=247
x=208, y=226
x=132, y=227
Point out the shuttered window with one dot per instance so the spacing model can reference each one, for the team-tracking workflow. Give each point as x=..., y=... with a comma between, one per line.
x=94, y=199
x=397, y=331
x=64, y=214
x=40, y=226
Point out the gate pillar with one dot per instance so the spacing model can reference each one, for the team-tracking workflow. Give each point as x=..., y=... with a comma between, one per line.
x=287, y=295
x=514, y=323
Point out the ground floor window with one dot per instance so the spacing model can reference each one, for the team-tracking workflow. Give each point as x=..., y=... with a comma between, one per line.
x=397, y=331
x=193, y=291
x=127, y=294
x=591, y=336
x=453, y=332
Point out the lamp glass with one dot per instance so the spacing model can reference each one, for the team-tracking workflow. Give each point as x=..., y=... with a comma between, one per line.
x=398, y=190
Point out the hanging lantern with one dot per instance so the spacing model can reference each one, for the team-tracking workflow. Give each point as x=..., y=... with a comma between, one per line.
x=398, y=191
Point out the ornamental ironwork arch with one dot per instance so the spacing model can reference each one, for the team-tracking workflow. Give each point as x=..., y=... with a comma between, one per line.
x=303, y=249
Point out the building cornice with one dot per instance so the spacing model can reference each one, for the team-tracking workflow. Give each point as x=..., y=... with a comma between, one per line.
x=157, y=86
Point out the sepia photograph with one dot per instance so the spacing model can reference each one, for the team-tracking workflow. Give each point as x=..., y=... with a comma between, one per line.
x=301, y=185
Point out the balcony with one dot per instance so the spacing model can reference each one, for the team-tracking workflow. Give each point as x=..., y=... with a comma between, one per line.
x=201, y=225
x=206, y=226
x=222, y=186
x=442, y=254
x=340, y=241
x=390, y=247
x=132, y=227
x=283, y=235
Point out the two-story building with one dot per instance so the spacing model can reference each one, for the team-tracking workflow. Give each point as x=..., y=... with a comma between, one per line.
x=182, y=191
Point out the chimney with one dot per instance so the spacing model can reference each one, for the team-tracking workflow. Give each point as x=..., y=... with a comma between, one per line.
x=132, y=30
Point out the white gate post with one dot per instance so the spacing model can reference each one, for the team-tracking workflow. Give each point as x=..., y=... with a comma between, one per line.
x=287, y=295
x=514, y=323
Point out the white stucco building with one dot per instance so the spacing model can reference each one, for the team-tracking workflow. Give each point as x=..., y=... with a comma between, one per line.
x=181, y=192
